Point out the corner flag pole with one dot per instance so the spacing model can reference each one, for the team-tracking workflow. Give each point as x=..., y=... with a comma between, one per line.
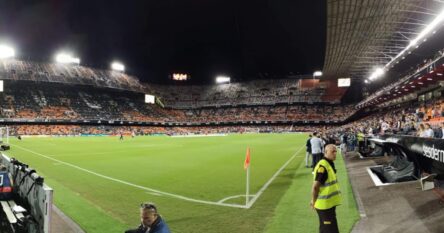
x=248, y=186
x=247, y=167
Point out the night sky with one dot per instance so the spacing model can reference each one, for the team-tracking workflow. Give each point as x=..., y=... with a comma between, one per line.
x=244, y=39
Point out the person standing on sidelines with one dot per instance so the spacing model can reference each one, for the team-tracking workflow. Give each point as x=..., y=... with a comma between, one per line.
x=325, y=193
x=317, y=146
x=308, y=151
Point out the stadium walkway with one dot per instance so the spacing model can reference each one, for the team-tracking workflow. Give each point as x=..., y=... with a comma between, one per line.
x=396, y=208
x=60, y=223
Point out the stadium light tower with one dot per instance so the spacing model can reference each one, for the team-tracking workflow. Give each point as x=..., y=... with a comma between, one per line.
x=66, y=58
x=223, y=79
x=117, y=66
x=6, y=52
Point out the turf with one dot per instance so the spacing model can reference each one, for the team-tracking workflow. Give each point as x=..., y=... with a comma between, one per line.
x=203, y=168
x=291, y=215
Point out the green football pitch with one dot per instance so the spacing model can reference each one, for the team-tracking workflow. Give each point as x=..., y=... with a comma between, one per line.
x=198, y=183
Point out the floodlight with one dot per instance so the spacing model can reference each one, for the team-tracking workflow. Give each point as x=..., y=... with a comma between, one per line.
x=117, y=66
x=6, y=52
x=63, y=58
x=75, y=60
x=66, y=58
x=223, y=79
x=379, y=72
x=317, y=74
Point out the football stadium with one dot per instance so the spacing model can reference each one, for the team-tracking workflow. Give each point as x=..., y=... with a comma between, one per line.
x=222, y=116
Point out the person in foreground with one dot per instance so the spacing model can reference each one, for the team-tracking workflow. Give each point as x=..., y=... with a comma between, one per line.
x=325, y=194
x=151, y=221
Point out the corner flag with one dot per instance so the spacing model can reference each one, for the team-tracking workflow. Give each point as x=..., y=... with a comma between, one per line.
x=247, y=159
x=247, y=167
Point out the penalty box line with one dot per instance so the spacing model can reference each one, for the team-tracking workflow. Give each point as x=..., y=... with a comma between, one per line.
x=131, y=184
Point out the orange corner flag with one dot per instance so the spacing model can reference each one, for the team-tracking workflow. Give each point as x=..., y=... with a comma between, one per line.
x=247, y=159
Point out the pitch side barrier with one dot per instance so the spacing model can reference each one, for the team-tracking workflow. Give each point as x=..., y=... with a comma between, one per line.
x=33, y=197
x=427, y=154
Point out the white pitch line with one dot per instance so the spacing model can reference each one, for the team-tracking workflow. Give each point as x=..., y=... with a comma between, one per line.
x=155, y=194
x=231, y=197
x=134, y=185
x=262, y=190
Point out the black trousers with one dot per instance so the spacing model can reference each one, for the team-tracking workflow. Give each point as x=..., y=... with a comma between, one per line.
x=316, y=158
x=361, y=146
x=327, y=221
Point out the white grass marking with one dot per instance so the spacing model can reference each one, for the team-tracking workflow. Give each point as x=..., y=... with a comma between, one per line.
x=134, y=185
x=262, y=190
x=198, y=135
x=232, y=197
x=155, y=194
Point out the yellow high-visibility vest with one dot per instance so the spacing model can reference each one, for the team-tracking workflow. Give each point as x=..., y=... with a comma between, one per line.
x=329, y=193
x=361, y=137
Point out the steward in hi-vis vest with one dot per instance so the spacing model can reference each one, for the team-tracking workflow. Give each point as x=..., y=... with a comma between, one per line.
x=326, y=194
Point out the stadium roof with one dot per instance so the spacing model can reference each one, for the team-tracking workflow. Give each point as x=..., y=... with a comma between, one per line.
x=363, y=35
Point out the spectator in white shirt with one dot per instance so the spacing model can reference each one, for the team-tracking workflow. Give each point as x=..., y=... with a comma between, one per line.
x=428, y=131
x=384, y=126
x=317, y=146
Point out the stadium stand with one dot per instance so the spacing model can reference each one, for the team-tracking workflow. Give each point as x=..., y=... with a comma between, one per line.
x=62, y=94
x=66, y=94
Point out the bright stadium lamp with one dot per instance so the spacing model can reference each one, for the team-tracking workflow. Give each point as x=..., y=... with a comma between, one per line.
x=6, y=52
x=376, y=74
x=66, y=58
x=223, y=79
x=117, y=66
x=317, y=74
x=75, y=60
x=63, y=58
x=379, y=72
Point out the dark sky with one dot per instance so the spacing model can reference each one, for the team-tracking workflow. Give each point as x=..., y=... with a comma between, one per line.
x=239, y=38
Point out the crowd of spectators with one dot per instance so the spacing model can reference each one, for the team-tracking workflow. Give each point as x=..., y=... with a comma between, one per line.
x=61, y=102
x=79, y=130
x=257, y=92
x=421, y=119
x=47, y=92
x=67, y=73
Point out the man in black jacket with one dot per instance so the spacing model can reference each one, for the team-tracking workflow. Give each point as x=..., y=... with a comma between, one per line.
x=308, y=151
